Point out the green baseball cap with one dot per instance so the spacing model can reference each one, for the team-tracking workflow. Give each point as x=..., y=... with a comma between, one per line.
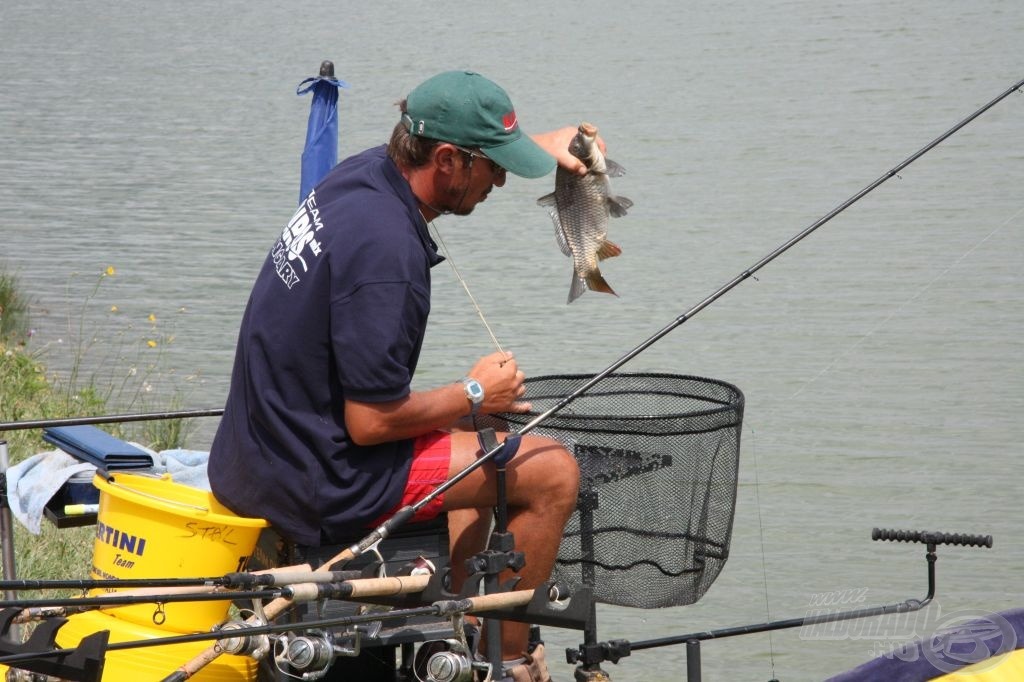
x=464, y=108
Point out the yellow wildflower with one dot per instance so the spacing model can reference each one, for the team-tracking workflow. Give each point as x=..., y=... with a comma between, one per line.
x=151, y=343
x=110, y=271
x=152, y=317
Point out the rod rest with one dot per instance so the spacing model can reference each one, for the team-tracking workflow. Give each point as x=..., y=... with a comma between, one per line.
x=84, y=663
x=929, y=538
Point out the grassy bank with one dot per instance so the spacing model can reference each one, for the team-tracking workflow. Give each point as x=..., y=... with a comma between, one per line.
x=25, y=393
x=28, y=392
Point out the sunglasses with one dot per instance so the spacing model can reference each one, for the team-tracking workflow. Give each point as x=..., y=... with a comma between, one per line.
x=477, y=154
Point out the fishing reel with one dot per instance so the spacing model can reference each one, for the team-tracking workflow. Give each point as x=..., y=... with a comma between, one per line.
x=241, y=644
x=443, y=660
x=450, y=659
x=309, y=655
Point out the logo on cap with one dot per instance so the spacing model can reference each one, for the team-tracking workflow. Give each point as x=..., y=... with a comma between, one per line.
x=509, y=121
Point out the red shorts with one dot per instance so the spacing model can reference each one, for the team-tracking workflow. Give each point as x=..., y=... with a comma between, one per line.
x=432, y=455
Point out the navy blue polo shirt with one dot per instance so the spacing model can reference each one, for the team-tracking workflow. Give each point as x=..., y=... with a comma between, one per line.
x=338, y=311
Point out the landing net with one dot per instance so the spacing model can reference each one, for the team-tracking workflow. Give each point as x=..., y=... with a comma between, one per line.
x=658, y=457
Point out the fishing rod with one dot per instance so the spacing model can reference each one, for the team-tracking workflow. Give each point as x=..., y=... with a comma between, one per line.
x=110, y=419
x=402, y=515
x=931, y=540
x=320, y=586
x=241, y=637
x=441, y=608
x=272, y=577
x=480, y=604
x=119, y=599
x=407, y=512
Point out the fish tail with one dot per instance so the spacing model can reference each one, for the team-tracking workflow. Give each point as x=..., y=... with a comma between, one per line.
x=576, y=287
x=595, y=282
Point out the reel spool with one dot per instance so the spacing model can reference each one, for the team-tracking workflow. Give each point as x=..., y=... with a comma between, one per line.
x=310, y=656
x=443, y=660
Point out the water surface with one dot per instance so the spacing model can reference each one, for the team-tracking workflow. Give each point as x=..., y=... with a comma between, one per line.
x=881, y=357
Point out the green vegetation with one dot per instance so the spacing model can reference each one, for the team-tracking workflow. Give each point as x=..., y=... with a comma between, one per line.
x=14, y=320
x=27, y=393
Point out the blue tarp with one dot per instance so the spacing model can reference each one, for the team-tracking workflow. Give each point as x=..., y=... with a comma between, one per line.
x=945, y=652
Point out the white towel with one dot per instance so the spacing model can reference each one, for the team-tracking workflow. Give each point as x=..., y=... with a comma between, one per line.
x=187, y=467
x=32, y=482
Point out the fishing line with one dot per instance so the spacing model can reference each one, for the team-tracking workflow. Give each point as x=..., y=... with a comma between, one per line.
x=405, y=513
x=848, y=351
x=903, y=305
x=451, y=262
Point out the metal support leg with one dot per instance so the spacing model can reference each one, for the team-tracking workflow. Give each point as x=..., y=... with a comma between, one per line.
x=693, y=660
x=6, y=527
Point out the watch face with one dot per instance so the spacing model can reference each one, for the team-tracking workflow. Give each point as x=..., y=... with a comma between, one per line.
x=474, y=393
x=474, y=390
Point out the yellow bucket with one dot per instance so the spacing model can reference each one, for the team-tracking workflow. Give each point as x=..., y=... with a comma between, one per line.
x=151, y=662
x=150, y=527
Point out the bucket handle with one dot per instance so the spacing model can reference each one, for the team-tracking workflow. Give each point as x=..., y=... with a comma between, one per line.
x=157, y=498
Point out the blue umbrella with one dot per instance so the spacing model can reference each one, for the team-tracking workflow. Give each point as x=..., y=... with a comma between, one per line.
x=321, y=151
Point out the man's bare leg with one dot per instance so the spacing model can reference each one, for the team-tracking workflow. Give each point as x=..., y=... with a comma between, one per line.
x=468, y=533
x=542, y=484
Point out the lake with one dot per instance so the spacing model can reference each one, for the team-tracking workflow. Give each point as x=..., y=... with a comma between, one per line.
x=881, y=358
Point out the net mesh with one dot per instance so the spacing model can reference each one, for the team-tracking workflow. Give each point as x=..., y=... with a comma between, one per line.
x=658, y=457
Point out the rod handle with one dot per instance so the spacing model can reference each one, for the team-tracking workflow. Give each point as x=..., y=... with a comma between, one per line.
x=926, y=537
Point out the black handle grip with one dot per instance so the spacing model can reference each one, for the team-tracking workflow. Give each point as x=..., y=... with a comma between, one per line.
x=928, y=538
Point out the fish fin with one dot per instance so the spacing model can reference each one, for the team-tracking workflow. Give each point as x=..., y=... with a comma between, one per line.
x=617, y=206
x=576, y=287
x=547, y=200
x=595, y=282
x=608, y=250
x=560, y=239
x=613, y=169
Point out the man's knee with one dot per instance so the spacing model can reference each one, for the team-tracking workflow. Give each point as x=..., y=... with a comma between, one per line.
x=553, y=471
x=568, y=470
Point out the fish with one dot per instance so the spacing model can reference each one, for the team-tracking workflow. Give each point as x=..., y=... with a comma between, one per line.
x=580, y=208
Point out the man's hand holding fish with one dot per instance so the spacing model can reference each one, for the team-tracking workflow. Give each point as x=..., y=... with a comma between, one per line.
x=556, y=143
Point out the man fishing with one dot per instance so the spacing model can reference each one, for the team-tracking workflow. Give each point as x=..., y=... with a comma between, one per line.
x=322, y=434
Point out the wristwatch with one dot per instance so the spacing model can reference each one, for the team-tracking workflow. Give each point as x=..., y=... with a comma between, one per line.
x=474, y=393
